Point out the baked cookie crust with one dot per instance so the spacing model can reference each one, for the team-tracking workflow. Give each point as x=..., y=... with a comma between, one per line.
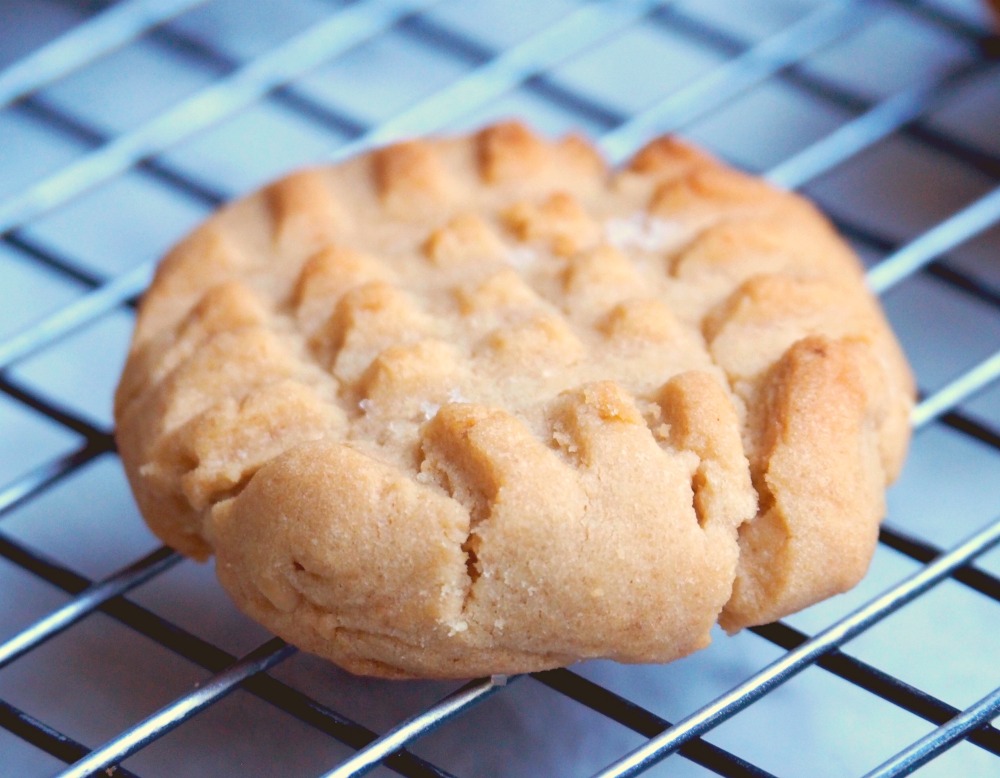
x=481, y=405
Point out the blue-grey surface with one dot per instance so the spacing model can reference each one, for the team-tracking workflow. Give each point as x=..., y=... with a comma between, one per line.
x=99, y=676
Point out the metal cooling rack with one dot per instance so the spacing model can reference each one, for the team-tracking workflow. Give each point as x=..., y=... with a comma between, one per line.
x=123, y=123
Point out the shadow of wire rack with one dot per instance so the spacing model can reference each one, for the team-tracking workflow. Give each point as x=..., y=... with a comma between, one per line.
x=123, y=124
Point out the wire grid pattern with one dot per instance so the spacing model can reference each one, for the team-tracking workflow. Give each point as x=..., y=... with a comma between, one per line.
x=114, y=651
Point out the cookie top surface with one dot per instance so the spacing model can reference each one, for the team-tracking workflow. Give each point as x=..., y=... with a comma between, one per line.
x=479, y=405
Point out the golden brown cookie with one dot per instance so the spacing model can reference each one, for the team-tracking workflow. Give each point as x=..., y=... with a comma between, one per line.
x=480, y=405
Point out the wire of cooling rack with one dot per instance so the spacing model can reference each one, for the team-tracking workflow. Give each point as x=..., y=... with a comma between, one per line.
x=745, y=69
x=160, y=723
x=98, y=36
x=182, y=642
x=945, y=736
x=87, y=601
x=248, y=84
x=491, y=73
x=795, y=661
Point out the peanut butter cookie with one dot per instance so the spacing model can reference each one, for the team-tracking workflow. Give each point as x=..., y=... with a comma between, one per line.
x=481, y=405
